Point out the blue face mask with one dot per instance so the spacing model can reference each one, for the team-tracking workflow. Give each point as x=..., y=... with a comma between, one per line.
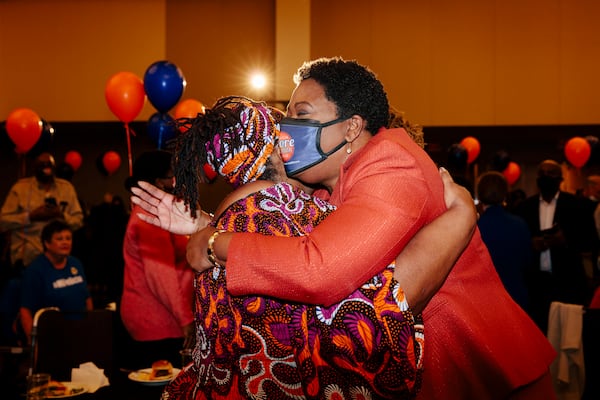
x=300, y=143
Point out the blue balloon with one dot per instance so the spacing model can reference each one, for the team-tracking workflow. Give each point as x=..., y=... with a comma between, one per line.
x=161, y=129
x=164, y=84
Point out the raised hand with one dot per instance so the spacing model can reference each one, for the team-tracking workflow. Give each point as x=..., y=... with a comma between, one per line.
x=166, y=211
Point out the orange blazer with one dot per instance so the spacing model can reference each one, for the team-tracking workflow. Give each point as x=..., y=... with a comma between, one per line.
x=478, y=342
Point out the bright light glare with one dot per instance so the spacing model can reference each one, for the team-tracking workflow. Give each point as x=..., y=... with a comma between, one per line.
x=258, y=81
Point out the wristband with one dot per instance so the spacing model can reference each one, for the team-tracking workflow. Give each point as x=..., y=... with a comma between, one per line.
x=210, y=251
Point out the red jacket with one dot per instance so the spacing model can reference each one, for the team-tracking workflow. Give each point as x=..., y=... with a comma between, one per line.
x=478, y=343
x=158, y=282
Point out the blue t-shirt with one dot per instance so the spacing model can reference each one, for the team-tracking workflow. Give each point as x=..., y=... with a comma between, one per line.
x=46, y=286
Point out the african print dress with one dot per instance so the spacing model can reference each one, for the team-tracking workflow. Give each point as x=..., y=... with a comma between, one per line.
x=368, y=346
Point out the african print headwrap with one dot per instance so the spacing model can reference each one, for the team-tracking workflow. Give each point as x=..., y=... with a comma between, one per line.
x=243, y=161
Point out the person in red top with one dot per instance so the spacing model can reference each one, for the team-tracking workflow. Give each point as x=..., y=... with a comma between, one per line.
x=156, y=305
x=480, y=345
x=595, y=302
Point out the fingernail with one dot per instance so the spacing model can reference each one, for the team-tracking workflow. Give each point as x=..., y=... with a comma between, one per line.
x=442, y=169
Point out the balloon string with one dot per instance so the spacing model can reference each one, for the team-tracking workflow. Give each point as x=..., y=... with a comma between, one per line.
x=128, y=132
x=23, y=170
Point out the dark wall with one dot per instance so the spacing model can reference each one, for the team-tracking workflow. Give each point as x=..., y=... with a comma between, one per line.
x=526, y=145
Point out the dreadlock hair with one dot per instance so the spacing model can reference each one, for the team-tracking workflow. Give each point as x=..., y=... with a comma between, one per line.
x=201, y=136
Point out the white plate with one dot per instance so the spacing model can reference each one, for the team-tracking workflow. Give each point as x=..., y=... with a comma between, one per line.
x=143, y=376
x=81, y=389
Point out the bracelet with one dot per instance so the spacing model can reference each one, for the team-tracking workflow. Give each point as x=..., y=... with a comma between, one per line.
x=210, y=251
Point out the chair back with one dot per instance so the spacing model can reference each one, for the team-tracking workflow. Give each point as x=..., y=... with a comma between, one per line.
x=64, y=340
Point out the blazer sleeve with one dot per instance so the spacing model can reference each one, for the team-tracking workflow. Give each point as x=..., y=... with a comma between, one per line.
x=383, y=198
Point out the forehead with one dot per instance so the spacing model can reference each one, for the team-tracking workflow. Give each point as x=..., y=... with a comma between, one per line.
x=61, y=233
x=45, y=158
x=550, y=169
x=309, y=95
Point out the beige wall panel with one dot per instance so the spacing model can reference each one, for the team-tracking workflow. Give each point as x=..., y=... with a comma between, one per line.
x=432, y=64
x=402, y=56
x=292, y=41
x=462, y=63
x=56, y=56
x=580, y=62
x=527, y=60
x=341, y=28
x=444, y=62
x=218, y=44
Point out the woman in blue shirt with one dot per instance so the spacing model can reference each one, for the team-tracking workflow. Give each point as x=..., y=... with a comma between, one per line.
x=54, y=278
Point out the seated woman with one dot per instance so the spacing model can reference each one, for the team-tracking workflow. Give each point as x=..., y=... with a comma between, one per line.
x=54, y=278
x=257, y=347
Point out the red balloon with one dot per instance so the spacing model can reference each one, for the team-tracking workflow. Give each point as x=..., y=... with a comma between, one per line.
x=578, y=151
x=125, y=95
x=111, y=162
x=473, y=148
x=512, y=172
x=188, y=108
x=24, y=128
x=73, y=158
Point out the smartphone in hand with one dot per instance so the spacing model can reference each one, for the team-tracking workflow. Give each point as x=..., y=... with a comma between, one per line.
x=50, y=202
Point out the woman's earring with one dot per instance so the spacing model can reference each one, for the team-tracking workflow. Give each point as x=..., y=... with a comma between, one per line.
x=349, y=148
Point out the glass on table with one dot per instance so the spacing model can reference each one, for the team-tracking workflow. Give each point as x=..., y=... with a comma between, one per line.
x=186, y=357
x=37, y=384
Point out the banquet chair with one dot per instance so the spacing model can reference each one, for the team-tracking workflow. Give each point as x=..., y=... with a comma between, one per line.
x=64, y=340
x=565, y=333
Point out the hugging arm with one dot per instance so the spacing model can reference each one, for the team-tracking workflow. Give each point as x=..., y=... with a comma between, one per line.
x=426, y=261
x=419, y=270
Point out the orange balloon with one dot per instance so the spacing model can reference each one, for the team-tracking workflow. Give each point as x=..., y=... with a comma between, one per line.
x=24, y=128
x=188, y=108
x=125, y=95
x=111, y=162
x=512, y=172
x=73, y=158
x=578, y=151
x=473, y=148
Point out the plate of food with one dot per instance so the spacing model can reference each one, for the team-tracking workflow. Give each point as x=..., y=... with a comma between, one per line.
x=61, y=390
x=161, y=373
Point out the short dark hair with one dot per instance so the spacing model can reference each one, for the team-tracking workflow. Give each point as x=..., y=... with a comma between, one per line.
x=353, y=88
x=492, y=188
x=52, y=227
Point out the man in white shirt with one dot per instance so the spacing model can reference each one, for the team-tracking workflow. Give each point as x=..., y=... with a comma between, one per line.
x=561, y=230
x=31, y=203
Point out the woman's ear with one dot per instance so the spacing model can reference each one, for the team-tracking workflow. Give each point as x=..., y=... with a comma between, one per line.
x=356, y=126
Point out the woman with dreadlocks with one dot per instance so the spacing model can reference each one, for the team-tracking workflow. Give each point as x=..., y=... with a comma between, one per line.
x=369, y=344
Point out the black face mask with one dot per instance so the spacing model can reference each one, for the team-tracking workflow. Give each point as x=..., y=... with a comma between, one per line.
x=42, y=176
x=300, y=143
x=548, y=185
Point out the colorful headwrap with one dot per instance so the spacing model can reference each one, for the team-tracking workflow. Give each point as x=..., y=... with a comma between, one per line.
x=239, y=152
x=234, y=138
